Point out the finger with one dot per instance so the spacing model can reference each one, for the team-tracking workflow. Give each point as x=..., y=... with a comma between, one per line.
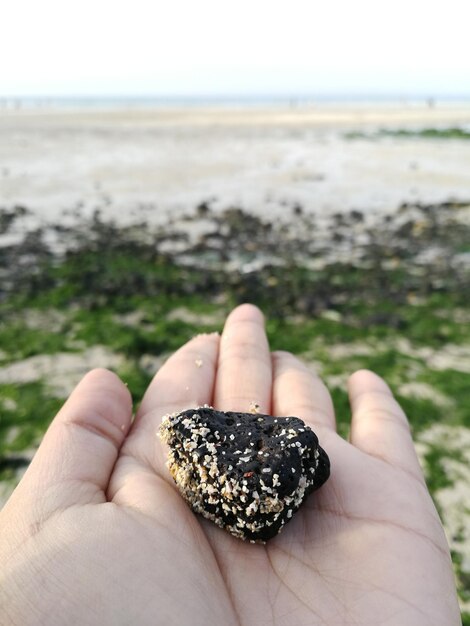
x=244, y=373
x=379, y=426
x=185, y=381
x=76, y=457
x=299, y=392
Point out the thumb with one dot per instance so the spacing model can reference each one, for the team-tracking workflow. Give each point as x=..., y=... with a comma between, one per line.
x=75, y=460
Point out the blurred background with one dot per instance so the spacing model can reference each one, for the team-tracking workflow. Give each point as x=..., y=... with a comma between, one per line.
x=160, y=163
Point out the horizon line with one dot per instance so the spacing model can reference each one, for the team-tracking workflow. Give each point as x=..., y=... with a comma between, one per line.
x=426, y=95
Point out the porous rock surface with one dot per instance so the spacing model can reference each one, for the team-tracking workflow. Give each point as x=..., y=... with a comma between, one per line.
x=247, y=472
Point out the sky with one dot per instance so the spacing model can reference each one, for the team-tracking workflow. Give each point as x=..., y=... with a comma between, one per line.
x=243, y=48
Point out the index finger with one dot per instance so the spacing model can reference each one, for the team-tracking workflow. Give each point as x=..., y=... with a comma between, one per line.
x=185, y=381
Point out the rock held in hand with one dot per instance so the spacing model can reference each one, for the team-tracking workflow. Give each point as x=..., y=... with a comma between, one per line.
x=249, y=473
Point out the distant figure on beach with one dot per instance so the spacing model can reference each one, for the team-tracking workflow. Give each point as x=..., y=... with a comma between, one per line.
x=97, y=533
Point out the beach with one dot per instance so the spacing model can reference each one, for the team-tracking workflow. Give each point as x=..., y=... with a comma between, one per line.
x=124, y=231
x=135, y=161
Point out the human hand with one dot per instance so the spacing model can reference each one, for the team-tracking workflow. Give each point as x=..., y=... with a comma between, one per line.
x=97, y=533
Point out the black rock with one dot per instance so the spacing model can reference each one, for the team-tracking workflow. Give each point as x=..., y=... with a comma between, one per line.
x=357, y=216
x=203, y=209
x=247, y=472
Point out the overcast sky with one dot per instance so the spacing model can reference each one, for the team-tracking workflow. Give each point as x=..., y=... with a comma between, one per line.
x=245, y=47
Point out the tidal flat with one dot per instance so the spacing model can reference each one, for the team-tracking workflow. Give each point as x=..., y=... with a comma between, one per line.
x=390, y=294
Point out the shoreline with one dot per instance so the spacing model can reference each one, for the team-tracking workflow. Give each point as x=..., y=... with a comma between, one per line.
x=152, y=163
x=316, y=115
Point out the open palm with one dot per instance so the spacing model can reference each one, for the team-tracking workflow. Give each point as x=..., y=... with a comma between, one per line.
x=97, y=532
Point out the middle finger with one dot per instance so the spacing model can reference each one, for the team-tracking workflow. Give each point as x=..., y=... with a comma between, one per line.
x=244, y=371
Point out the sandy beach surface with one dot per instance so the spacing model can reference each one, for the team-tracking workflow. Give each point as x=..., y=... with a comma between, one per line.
x=144, y=161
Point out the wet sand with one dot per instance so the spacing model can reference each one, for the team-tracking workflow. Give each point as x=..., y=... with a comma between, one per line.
x=153, y=161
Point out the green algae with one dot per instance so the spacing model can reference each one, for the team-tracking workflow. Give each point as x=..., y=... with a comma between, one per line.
x=451, y=132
